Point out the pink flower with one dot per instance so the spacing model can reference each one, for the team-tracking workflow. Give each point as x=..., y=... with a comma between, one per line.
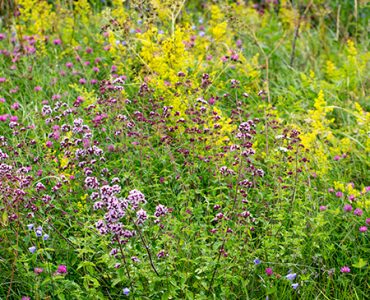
x=323, y=207
x=368, y=221
x=339, y=194
x=347, y=207
x=82, y=81
x=235, y=57
x=117, y=265
x=62, y=269
x=38, y=271
x=57, y=42
x=211, y=100
x=363, y=229
x=37, y=88
x=15, y=90
x=15, y=106
x=269, y=272
x=3, y=118
x=345, y=269
x=358, y=212
x=69, y=65
x=337, y=157
x=330, y=190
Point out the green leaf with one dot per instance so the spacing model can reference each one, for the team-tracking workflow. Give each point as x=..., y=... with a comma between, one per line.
x=360, y=264
x=5, y=218
x=88, y=281
x=116, y=281
x=61, y=297
x=271, y=290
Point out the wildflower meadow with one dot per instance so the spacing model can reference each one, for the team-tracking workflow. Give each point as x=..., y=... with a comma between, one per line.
x=184, y=149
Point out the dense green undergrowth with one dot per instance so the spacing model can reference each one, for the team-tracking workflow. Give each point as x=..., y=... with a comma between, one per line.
x=184, y=150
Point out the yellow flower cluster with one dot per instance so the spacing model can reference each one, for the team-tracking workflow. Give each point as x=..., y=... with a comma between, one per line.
x=317, y=120
x=318, y=129
x=351, y=49
x=219, y=26
x=36, y=17
x=331, y=71
x=165, y=56
x=118, y=11
x=219, y=31
x=83, y=11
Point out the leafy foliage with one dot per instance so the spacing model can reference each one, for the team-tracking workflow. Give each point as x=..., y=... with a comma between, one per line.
x=184, y=150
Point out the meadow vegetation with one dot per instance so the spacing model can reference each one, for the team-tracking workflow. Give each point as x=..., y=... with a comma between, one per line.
x=184, y=149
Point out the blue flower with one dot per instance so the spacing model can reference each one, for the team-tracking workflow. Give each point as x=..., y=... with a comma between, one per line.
x=257, y=261
x=30, y=226
x=295, y=286
x=291, y=276
x=126, y=291
x=32, y=249
x=38, y=233
x=46, y=236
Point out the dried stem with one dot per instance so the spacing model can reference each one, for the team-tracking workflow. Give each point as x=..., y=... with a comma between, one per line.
x=124, y=260
x=147, y=250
